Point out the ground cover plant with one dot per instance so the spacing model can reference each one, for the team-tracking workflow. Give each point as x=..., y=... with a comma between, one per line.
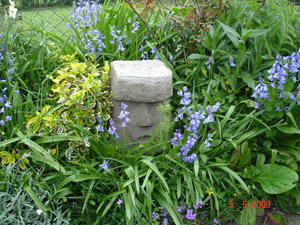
x=229, y=133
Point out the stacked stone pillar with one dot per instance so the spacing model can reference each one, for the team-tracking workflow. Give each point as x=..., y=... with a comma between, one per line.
x=142, y=86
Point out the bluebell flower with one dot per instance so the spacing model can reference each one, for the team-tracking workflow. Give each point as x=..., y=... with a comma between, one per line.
x=215, y=221
x=292, y=96
x=123, y=114
x=10, y=62
x=2, y=123
x=207, y=140
x=7, y=105
x=143, y=56
x=153, y=215
x=179, y=209
x=231, y=61
x=164, y=214
x=261, y=90
x=210, y=118
x=191, y=158
x=112, y=128
x=286, y=108
x=100, y=126
x=135, y=25
x=7, y=118
x=165, y=221
x=190, y=215
x=177, y=137
x=104, y=165
x=208, y=63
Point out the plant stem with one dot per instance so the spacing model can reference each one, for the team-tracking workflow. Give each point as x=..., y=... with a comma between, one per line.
x=152, y=34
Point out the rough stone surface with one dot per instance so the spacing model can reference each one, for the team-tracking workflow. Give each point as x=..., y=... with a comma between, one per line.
x=140, y=81
x=143, y=120
x=142, y=86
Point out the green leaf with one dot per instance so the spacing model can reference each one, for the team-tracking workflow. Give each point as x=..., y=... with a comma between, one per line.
x=248, y=215
x=282, y=180
x=246, y=77
x=196, y=167
x=154, y=168
x=197, y=56
x=245, y=154
x=211, y=101
x=277, y=219
x=231, y=34
x=260, y=159
x=127, y=40
x=237, y=177
x=258, y=32
x=289, y=130
x=33, y=196
x=289, y=84
x=40, y=154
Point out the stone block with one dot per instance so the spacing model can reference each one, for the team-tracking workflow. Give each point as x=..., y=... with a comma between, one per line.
x=141, y=81
x=142, y=86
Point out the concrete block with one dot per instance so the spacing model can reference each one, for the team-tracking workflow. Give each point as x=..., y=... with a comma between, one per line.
x=141, y=81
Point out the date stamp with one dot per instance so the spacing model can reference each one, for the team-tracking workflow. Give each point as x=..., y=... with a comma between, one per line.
x=254, y=205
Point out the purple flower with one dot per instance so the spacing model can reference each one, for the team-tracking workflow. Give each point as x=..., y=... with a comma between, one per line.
x=196, y=206
x=165, y=221
x=200, y=202
x=153, y=215
x=104, y=165
x=210, y=118
x=2, y=123
x=123, y=114
x=7, y=105
x=164, y=214
x=100, y=126
x=216, y=221
x=135, y=25
x=190, y=215
x=208, y=63
x=119, y=202
x=215, y=107
x=261, y=90
x=112, y=128
x=179, y=209
x=286, y=108
x=231, y=61
x=7, y=118
x=143, y=56
x=177, y=137
x=292, y=96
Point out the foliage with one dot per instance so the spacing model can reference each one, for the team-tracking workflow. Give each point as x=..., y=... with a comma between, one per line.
x=234, y=151
x=17, y=190
x=82, y=92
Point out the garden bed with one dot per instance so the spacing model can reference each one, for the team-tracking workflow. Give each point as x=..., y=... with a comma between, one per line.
x=226, y=139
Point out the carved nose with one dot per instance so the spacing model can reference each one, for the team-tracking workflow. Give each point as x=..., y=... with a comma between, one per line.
x=145, y=120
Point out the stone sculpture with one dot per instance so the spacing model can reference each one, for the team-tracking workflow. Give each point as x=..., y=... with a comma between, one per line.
x=142, y=86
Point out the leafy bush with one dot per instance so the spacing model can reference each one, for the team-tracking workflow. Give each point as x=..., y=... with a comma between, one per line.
x=82, y=92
